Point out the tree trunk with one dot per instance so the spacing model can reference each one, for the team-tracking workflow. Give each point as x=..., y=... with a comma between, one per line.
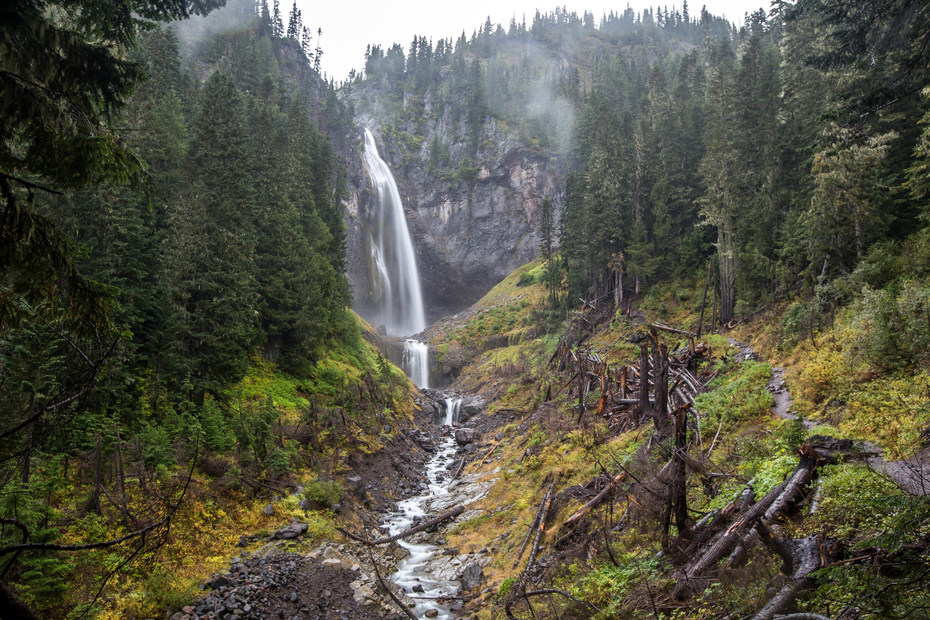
x=660, y=378
x=727, y=257
x=644, y=376
x=704, y=299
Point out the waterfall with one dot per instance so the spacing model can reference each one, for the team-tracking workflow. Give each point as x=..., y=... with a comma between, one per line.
x=394, y=278
x=416, y=362
x=453, y=406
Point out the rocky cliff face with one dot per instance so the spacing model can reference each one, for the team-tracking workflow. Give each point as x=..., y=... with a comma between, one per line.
x=473, y=213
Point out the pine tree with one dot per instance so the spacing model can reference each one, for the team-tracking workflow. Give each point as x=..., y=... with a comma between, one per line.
x=209, y=257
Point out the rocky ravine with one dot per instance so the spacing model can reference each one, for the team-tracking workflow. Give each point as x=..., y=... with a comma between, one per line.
x=337, y=579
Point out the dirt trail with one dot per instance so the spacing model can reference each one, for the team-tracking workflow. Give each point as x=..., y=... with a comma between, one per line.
x=911, y=475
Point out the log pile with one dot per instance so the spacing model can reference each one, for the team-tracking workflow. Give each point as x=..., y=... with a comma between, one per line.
x=628, y=393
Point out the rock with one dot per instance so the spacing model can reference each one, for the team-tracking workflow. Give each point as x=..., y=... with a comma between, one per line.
x=465, y=436
x=305, y=504
x=418, y=589
x=243, y=541
x=268, y=510
x=290, y=531
x=472, y=576
x=431, y=613
x=219, y=581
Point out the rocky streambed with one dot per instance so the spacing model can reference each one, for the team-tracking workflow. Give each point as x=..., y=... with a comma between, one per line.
x=340, y=579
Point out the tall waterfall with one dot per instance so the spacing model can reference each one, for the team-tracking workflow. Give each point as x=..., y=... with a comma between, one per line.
x=394, y=278
x=416, y=362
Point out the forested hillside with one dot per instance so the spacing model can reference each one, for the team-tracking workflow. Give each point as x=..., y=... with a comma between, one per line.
x=784, y=148
x=173, y=292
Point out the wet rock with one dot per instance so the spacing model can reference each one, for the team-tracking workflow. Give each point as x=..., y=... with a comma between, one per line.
x=465, y=436
x=431, y=613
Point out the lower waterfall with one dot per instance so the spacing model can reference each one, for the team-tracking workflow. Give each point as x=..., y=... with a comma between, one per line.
x=416, y=362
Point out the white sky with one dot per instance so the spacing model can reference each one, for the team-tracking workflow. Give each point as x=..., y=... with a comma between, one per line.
x=350, y=25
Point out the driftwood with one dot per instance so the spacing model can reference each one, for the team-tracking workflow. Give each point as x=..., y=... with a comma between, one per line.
x=413, y=530
x=594, y=503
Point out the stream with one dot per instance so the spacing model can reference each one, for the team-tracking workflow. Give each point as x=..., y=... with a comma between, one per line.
x=411, y=575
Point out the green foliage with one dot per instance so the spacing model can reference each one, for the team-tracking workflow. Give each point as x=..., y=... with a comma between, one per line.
x=737, y=396
x=853, y=502
x=324, y=492
x=608, y=585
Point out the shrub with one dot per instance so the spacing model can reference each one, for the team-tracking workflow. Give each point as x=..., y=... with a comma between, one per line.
x=325, y=493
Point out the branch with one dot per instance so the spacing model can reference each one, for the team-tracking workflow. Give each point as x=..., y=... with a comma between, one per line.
x=549, y=591
x=413, y=530
x=400, y=603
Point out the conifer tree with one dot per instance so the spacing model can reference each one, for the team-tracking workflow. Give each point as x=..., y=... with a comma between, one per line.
x=209, y=255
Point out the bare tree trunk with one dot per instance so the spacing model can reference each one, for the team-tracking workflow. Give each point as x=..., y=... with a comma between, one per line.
x=643, y=376
x=121, y=478
x=704, y=298
x=727, y=256
x=660, y=377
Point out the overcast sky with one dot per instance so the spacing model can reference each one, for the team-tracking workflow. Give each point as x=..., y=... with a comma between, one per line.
x=350, y=25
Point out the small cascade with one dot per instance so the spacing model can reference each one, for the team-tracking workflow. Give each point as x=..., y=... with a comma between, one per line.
x=453, y=407
x=395, y=282
x=416, y=362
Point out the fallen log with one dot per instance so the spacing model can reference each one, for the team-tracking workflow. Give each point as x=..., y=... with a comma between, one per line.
x=539, y=531
x=806, y=556
x=666, y=328
x=765, y=509
x=594, y=503
x=408, y=532
x=532, y=528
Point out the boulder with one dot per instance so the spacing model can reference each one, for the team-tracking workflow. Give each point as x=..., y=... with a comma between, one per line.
x=292, y=530
x=472, y=576
x=464, y=436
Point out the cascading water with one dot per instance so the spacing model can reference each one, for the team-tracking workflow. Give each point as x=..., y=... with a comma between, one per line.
x=453, y=406
x=410, y=573
x=416, y=362
x=393, y=270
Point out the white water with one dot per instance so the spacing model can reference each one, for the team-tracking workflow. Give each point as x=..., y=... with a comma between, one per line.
x=394, y=278
x=453, y=406
x=410, y=571
x=416, y=362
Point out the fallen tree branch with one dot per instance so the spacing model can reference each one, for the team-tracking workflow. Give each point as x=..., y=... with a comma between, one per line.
x=529, y=531
x=413, y=530
x=539, y=531
x=597, y=499
x=549, y=591
x=394, y=598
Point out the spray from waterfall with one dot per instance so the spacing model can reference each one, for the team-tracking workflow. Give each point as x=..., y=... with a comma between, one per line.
x=394, y=278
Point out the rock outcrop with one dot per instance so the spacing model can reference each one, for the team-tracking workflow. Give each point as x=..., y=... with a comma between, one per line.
x=471, y=224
